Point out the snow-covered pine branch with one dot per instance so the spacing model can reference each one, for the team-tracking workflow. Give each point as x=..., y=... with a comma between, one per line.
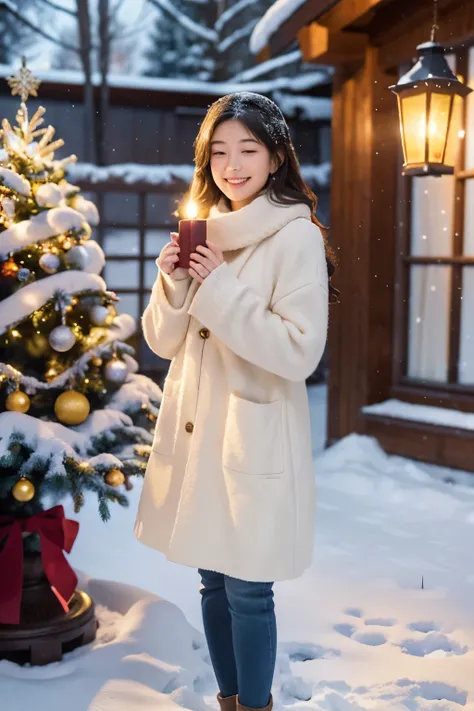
x=269, y=66
x=185, y=21
x=227, y=15
x=236, y=36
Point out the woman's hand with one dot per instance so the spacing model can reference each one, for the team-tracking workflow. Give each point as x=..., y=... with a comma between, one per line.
x=204, y=261
x=169, y=255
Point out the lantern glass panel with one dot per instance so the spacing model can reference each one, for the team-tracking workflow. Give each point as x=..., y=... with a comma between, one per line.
x=454, y=139
x=413, y=125
x=438, y=124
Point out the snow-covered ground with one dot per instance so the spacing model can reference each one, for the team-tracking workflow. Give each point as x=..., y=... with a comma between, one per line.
x=357, y=631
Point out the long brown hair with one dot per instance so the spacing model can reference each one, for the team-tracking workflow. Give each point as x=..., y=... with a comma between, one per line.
x=265, y=121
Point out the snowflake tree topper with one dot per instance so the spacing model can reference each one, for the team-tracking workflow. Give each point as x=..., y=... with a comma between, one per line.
x=23, y=82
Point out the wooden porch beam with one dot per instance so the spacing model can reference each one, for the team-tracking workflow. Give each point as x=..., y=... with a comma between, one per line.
x=320, y=45
x=346, y=12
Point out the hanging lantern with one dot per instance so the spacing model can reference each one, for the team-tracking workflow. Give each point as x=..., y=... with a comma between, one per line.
x=429, y=97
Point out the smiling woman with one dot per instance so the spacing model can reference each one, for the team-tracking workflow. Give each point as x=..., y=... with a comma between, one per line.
x=240, y=164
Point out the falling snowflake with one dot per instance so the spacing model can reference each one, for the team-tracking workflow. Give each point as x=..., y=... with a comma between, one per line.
x=23, y=82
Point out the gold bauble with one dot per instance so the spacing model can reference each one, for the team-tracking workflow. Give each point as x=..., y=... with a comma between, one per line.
x=72, y=408
x=18, y=402
x=114, y=477
x=10, y=267
x=23, y=490
x=38, y=345
x=97, y=362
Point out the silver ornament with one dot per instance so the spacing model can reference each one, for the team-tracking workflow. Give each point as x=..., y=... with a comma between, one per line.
x=23, y=274
x=100, y=315
x=49, y=262
x=62, y=339
x=77, y=257
x=116, y=371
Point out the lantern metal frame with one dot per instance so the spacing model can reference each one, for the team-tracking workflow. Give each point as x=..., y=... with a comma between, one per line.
x=430, y=75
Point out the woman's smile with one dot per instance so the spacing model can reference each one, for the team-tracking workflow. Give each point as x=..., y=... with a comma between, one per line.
x=236, y=181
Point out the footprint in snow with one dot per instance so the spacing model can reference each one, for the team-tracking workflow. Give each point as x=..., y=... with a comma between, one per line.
x=433, y=642
x=372, y=639
x=424, y=626
x=301, y=652
x=380, y=622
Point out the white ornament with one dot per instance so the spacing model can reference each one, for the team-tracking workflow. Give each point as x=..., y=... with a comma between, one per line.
x=48, y=195
x=77, y=257
x=116, y=371
x=49, y=262
x=62, y=339
x=15, y=182
x=100, y=315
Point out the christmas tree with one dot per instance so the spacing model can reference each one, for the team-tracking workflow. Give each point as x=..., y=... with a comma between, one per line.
x=75, y=416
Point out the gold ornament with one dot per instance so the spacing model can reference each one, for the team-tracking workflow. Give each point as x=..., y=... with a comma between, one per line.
x=23, y=490
x=18, y=402
x=10, y=268
x=114, y=477
x=37, y=345
x=97, y=362
x=72, y=408
x=23, y=82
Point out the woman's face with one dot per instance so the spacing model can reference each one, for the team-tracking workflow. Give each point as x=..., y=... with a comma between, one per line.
x=240, y=164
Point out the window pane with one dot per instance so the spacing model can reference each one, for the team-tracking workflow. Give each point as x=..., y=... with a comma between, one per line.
x=155, y=240
x=470, y=115
x=432, y=216
x=151, y=272
x=160, y=209
x=428, y=329
x=128, y=304
x=466, y=351
x=123, y=274
x=121, y=208
x=469, y=218
x=121, y=242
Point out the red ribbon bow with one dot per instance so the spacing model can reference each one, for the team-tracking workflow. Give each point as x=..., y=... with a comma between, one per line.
x=56, y=533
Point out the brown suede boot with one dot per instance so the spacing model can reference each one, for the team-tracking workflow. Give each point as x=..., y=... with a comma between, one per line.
x=247, y=708
x=227, y=703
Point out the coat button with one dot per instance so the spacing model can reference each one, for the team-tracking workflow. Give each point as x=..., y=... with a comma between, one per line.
x=204, y=333
x=189, y=427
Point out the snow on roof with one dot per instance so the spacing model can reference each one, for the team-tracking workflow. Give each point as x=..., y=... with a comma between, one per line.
x=164, y=174
x=182, y=86
x=273, y=19
x=131, y=173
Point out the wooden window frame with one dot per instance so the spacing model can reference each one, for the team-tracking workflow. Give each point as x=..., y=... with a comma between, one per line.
x=141, y=225
x=419, y=390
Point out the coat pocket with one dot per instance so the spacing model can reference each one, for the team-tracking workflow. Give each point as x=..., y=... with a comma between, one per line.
x=253, y=441
x=166, y=425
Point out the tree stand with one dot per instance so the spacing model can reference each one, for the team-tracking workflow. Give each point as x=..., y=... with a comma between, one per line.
x=46, y=630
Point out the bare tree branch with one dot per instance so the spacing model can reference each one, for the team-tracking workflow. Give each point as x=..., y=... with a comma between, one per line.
x=11, y=8
x=185, y=21
x=114, y=10
x=55, y=6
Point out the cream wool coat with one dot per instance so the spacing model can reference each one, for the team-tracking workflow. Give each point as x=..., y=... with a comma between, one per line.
x=229, y=485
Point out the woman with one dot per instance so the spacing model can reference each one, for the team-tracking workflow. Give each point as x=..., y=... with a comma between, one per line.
x=229, y=487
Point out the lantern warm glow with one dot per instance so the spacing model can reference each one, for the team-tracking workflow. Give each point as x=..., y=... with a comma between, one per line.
x=429, y=103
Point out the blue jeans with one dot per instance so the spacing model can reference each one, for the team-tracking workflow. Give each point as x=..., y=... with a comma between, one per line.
x=240, y=628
